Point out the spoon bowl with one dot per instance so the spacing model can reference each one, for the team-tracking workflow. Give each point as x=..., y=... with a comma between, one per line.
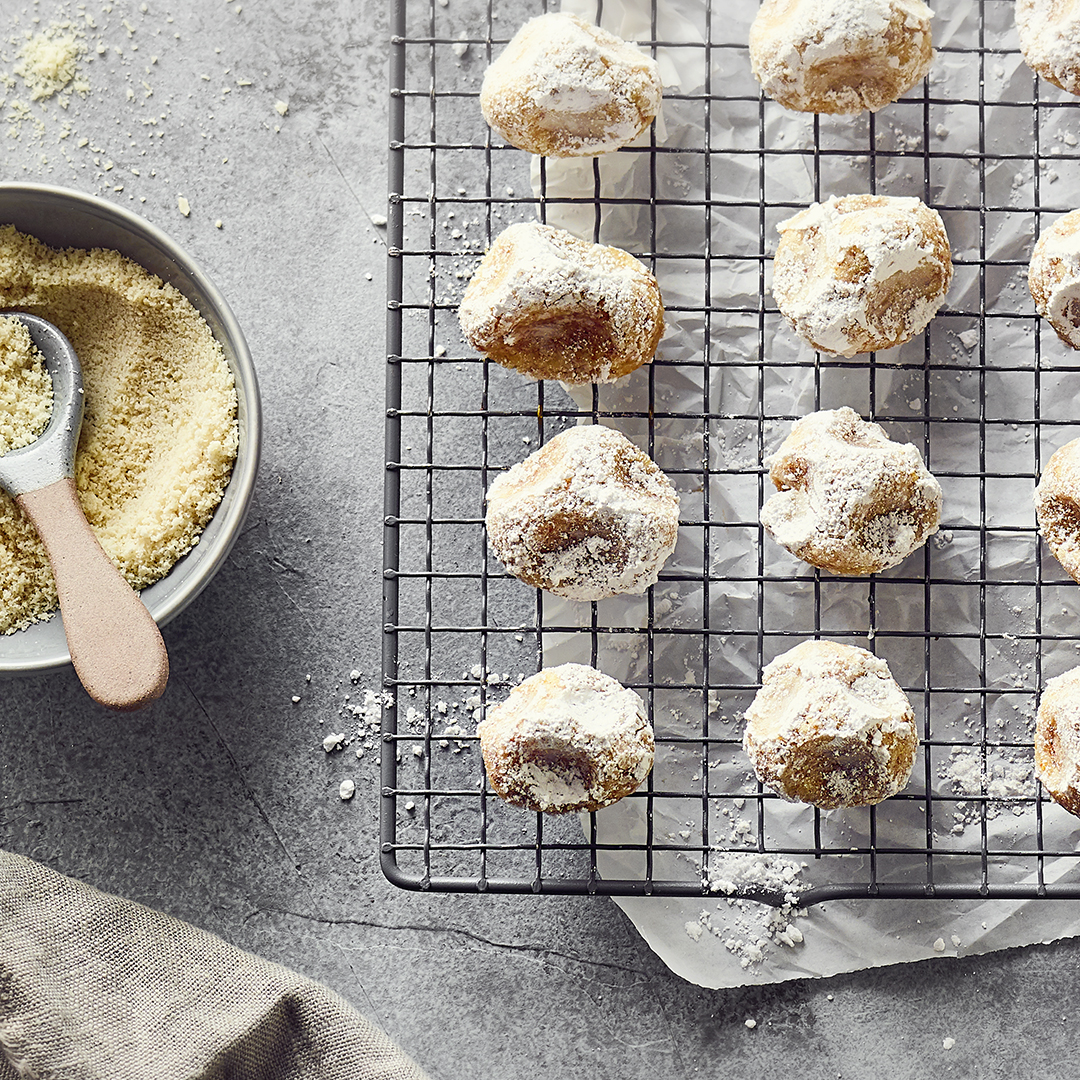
x=52, y=455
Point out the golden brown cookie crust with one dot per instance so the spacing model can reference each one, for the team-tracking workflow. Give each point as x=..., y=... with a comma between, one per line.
x=831, y=727
x=861, y=273
x=567, y=739
x=565, y=88
x=587, y=516
x=553, y=306
x=840, y=56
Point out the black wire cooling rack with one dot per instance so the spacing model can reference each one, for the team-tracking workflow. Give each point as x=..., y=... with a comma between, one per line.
x=972, y=626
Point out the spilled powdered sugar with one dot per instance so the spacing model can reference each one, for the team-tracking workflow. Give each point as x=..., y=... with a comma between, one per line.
x=448, y=724
x=749, y=929
x=997, y=781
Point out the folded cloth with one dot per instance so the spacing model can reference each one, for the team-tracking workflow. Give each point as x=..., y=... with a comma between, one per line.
x=93, y=987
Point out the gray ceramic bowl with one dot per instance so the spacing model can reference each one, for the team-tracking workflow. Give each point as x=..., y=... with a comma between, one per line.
x=62, y=218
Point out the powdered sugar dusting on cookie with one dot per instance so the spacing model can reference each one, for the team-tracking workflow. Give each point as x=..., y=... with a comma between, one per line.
x=1057, y=506
x=586, y=516
x=862, y=272
x=830, y=726
x=565, y=88
x=1054, y=277
x=1050, y=40
x=566, y=739
x=840, y=56
x=1057, y=739
x=849, y=499
x=554, y=306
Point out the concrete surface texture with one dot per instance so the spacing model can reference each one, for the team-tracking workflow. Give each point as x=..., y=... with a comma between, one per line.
x=219, y=804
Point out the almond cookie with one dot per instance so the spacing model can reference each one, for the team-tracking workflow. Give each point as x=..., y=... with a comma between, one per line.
x=1054, y=277
x=568, y=738
x=1057, y=740
x=840, y=56
x=1050, y=40
x=861, y=273
x=555, y=307
x=586, y=516
x=831, y=727
x=565, y=88
x=849, y=499
x=1057, y=506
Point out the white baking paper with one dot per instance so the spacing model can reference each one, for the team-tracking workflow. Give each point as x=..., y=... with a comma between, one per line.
x=984, y=723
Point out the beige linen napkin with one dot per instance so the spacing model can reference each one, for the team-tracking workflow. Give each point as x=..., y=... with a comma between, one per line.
x=93, y=987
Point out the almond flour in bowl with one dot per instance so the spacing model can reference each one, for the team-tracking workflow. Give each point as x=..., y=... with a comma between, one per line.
x=170, y=440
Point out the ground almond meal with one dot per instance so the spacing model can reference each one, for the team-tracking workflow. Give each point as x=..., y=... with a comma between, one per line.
x=48, y=61
x=160, y=432
x=25, y=387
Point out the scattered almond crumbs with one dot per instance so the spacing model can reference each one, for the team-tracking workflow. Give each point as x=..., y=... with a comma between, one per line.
x=48, y=62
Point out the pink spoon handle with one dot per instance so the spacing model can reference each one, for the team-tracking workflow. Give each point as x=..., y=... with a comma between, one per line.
x=115, y=645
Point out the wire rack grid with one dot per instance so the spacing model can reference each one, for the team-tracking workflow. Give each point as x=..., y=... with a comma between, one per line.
x=971, y=626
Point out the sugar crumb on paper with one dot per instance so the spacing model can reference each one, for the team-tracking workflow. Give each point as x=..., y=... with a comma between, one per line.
x=749, y=929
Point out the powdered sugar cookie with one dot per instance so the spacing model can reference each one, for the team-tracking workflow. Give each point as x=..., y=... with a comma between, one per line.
x=861, y=272
x=1054, y=277
x=1057, y=506
x=849, y=499
x=565, y=88
x=831, y=727
x=555, y=307
x=568, y=738
x=586, y=516
x=1050, y=40
x=1057, y=740
x=840, y=56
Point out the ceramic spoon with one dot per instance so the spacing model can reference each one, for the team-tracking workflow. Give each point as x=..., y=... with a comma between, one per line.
x=115, y=645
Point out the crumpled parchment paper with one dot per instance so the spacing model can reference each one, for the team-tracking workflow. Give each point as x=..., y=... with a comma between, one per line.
x=977, y=363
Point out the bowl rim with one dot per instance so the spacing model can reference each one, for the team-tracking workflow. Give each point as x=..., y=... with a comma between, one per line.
x=241, y=484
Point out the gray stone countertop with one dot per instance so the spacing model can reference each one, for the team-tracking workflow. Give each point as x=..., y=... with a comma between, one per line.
x=218, y=804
